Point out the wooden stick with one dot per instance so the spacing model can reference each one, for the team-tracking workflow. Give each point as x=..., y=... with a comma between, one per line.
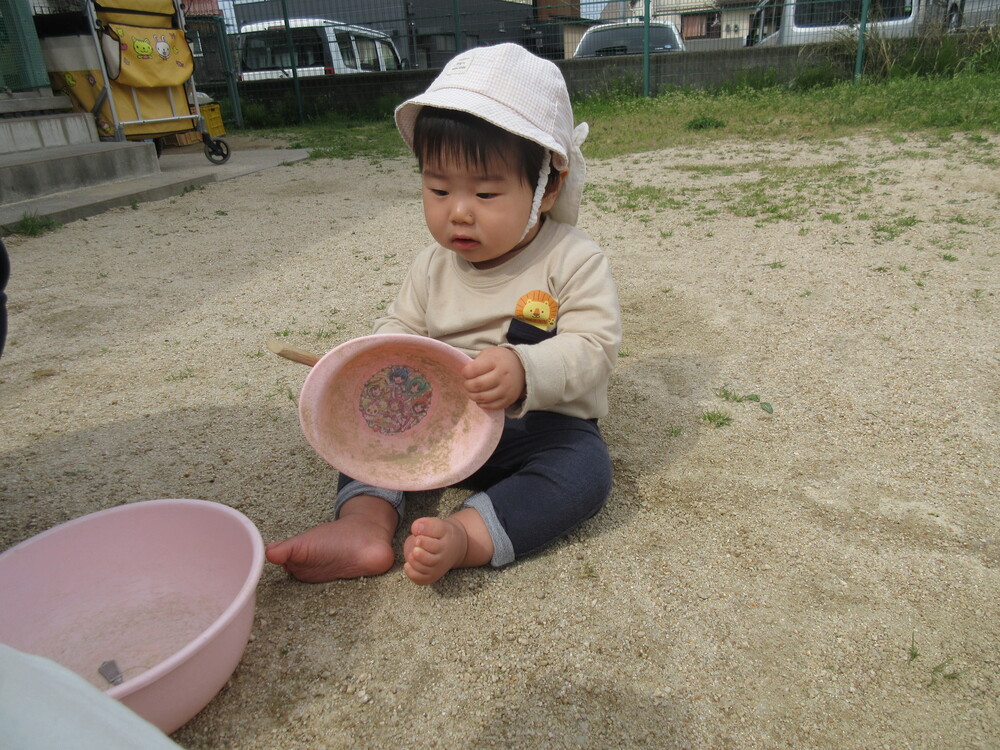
x=292, y=352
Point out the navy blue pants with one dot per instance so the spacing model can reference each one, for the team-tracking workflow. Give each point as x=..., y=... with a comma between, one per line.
x=549, y=474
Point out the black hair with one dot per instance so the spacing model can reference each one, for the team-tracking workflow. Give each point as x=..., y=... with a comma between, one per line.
x=475, y=142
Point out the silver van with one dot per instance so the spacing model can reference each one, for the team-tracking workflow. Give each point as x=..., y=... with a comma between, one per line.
x=322, y=47
x=628, y=38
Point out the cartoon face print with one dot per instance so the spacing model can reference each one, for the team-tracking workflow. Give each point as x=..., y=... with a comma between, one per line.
x=162, y=46
x=143, y=49
x=394, y=399
x=538, y=308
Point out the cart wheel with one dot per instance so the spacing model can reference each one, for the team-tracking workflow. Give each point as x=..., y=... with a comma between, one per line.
x=217, y=151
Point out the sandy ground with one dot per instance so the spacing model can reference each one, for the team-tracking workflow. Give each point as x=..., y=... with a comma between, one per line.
x=825, y=575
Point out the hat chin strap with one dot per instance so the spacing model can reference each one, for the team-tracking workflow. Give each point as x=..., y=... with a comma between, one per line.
x=536, y=202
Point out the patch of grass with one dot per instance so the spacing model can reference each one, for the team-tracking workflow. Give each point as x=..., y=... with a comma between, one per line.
x=184, y=374
x=620, y=124
x=755, y=106
x=32, y=225
x=624, y=196
x=704, y=122
x=949, y=257
x=943, y=671
x=727, y=394
x=890, y=229
x=716, y=418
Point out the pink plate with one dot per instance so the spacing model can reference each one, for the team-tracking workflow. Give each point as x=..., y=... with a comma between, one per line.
x=389, y=410
x=165, y=589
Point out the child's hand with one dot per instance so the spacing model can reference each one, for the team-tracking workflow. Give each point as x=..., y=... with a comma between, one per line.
x=495, y=378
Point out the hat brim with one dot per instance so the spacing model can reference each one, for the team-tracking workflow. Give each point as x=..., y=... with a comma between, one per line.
x=478, y=105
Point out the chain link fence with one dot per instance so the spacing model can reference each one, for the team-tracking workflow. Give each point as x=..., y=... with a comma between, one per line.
x=271, y=62
x=290, y=60
x=22, y=67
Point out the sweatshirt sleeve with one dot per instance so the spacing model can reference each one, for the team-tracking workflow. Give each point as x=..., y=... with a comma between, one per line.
x=575, y=364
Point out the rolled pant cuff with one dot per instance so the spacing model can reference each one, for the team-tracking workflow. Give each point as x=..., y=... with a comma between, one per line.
x=503, y=548
x=395, y=498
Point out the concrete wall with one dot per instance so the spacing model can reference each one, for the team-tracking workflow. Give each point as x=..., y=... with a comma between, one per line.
x=702, y=69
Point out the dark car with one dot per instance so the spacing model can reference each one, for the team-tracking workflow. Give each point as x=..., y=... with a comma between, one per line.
x=628, y=38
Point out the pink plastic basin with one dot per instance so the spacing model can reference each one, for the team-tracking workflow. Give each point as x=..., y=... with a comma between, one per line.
x=390, y=410
x=164, y=588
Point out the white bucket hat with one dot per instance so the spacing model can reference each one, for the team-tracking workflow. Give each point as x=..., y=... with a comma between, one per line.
x=515, y=90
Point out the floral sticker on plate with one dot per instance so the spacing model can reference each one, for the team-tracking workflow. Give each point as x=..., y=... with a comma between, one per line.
x=395, y=399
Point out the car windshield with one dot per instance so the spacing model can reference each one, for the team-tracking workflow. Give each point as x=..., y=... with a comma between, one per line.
x=626, y=40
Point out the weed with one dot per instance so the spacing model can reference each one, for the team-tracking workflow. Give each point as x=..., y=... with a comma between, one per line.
x=134, y=205
x=704, y=122
x=913, y=652
x=732, y=396
x=281, y=390
x=941, y=672
x=716, y=418
x=776, y=264
x=893, y=228
x=949, y=257
x=32, y=225
x=727, y=395
x=184, y=374
x=675, y=431
x=624, y=352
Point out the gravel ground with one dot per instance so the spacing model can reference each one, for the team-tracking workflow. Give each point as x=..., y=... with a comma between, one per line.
x=821, y=574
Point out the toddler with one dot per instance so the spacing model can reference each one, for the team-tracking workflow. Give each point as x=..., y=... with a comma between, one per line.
x=514, y=284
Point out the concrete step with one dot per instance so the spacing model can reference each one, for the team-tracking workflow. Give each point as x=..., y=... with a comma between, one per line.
x=29, y=103
x=44, y=131
x=181, y=169
x=30, y=174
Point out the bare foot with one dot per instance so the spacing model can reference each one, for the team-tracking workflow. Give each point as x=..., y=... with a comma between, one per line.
x=436, y=546
x=355, y=545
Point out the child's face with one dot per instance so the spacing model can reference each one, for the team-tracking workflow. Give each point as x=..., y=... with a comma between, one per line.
x=479, y=213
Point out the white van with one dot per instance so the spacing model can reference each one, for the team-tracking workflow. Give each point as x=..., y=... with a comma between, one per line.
x=322, y=47
x=778, y=22
x=628, y=38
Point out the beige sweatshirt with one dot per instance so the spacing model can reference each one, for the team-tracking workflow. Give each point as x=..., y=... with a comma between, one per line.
x=559, y=283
